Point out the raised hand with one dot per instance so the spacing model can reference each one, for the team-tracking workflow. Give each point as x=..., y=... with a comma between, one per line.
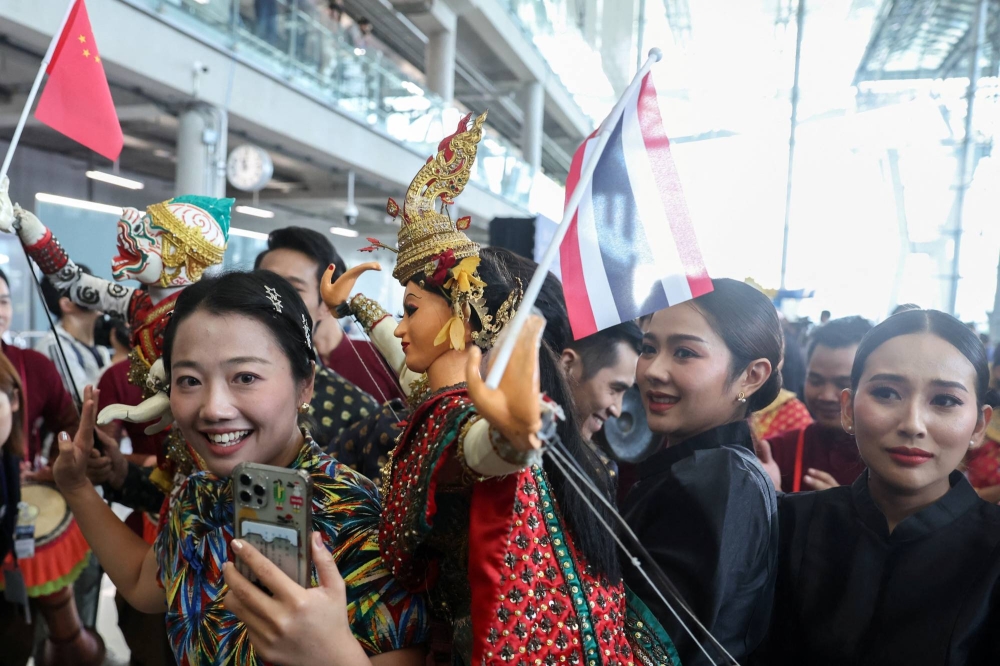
x=109, y=467
x=70, y=467
x=296, y=625
x=513, y=408
x=337, y=293
x=763, y=450
x=817, y=479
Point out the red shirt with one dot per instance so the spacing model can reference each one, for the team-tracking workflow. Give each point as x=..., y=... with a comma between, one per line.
x=830, y=450
x=115, y=389
x=359, y=362
x=46, y=407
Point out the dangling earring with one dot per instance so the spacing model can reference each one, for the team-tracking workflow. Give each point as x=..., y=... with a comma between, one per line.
x=304, y=408
x=742, y=398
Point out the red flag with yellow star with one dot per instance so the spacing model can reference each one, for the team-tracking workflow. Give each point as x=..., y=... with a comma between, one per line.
x=76, y=100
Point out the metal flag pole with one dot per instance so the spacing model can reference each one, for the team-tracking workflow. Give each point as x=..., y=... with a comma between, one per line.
x=586, y=175
x=34, y=91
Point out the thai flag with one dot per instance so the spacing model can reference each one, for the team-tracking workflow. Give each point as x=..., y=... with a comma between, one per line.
x=630, y=249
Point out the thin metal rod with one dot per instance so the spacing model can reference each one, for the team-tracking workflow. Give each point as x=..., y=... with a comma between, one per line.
x=967, y=153
x=800, y=14
x=34, y=92
x=586, y=175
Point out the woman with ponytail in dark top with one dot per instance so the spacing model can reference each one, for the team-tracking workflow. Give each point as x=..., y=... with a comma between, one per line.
x=704, y=508
x=903, y=566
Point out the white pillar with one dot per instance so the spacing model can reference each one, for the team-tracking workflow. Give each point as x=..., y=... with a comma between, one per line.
x=201, y=152
x=532, y=131
x=192, y=153
x=440, y=63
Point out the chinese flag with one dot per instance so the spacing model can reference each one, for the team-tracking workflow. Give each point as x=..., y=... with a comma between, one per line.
x=76, y=100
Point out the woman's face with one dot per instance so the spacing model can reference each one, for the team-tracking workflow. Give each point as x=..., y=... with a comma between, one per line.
x=232, y=392
x=914, y=413
x=424, y=315
x=684, y=375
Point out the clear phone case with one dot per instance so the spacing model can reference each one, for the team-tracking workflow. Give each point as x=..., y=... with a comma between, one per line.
x=273, y=513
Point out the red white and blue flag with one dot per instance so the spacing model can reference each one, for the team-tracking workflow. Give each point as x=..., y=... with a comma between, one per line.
x=630, y=249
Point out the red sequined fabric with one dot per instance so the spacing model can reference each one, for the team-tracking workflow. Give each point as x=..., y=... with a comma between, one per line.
x=534, y=600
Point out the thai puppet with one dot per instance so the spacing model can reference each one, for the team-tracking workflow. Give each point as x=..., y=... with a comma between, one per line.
x=165, y=249
x=472, y=515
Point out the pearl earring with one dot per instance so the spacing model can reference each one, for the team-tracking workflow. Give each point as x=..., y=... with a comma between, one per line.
x=742, y=398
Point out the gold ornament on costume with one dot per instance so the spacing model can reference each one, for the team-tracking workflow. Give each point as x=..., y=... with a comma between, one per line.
x=431, y=243
x=425, y=232
x=183, y=246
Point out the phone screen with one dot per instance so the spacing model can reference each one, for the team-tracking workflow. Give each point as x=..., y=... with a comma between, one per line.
x=278, y=544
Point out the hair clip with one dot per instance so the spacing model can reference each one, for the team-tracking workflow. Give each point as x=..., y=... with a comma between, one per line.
x=274, y=297
x=305, y=329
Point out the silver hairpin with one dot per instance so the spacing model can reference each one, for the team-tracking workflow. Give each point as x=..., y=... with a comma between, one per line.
x=305, y=329
x=274, y=297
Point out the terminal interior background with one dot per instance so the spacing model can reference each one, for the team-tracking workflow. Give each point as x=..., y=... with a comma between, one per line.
x=888, y=194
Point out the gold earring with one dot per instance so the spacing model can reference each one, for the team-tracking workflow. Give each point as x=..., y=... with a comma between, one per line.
x=742, y=398
x=304, y=408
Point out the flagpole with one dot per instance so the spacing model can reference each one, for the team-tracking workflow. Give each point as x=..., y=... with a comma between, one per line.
x=586, y=175
x=34, y=91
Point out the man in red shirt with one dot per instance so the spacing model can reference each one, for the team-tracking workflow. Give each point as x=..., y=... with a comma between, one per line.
x=822, y=455
x=301, y=256
x=47, y=407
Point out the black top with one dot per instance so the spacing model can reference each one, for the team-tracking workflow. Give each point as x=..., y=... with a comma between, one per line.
x=849, y=592
x=705, y=511
x=10, y=495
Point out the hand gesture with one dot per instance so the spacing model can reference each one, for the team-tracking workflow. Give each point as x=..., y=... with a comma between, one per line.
x=6, y=208
x=296, y=625
x=70, y=467
x=817, y=479
x=337, y=293
x=513, y=408
x=109, y=467
x=763, y=450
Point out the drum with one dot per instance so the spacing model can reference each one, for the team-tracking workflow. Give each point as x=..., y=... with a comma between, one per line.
x=61, y=554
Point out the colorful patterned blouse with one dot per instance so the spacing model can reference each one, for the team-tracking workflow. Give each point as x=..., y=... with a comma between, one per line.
x=195, y=544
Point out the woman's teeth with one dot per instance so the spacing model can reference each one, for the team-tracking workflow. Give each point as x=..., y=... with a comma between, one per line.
x=227, y=438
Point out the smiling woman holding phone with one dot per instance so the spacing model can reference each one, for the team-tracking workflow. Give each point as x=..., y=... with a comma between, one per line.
x=903, y=566
x=241, y=365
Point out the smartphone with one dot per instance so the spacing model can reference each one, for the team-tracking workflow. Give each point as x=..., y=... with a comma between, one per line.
x=273, y=513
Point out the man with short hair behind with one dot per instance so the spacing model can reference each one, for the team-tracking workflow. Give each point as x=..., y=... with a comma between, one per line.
x=84, y=358
x=600, y=368
x=301, y=256
x=822, y=455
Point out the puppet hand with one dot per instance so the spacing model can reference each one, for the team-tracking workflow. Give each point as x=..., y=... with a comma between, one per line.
x=337, y=293
x=513, y=408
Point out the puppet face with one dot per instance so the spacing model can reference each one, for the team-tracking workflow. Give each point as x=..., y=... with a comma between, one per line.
x=140, y=254
x=171, y=252
x=424, y=314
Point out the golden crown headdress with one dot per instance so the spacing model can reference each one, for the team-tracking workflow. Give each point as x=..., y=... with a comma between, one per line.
x=429, y=242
